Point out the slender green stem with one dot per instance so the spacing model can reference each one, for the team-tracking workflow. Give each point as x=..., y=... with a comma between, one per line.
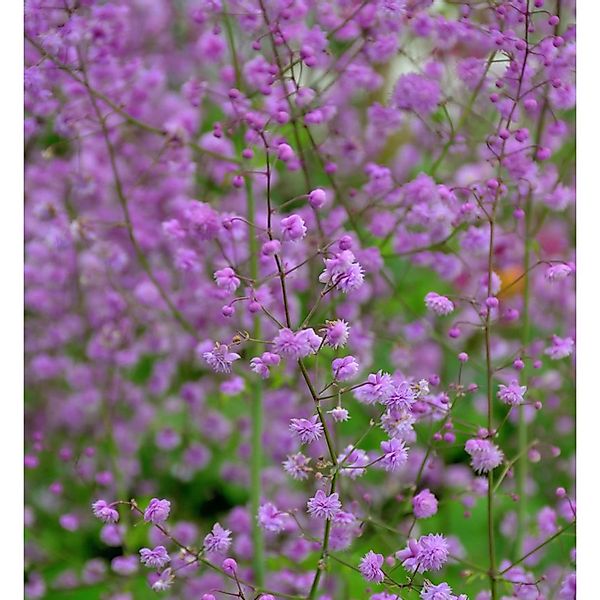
x=256, y=414
x=256, y=407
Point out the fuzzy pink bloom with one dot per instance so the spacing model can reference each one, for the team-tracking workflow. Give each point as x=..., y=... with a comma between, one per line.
x=322, y=506
x=425, y=504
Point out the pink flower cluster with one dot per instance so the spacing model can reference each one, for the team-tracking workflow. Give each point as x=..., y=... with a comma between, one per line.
x=299, y=294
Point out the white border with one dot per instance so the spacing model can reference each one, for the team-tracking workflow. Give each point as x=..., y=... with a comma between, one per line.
x=11, y=269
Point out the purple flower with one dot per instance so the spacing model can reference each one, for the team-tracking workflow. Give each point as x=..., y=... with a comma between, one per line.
x=336, y=333
x=344, y=368
x=229, y=566
x=203, y=221
x=558, y=272
x=112, y=535
x=322, y=506
x=343, y=272
x=485, y=455
x=440, y=305
x=417, y=92
x=296, y=465
x=271, y=247
x=292, y=228
x=512, y=394
x=156, y=558
x=217, y=540
x=157, y=511
x=425, y=504
x=186, y=260
x=428, y=553
x=568, y=588
x=307, y=430
x=398, y=423
x=442, y=591
x=261, y=364
x=402, y=397
x=220, y=359
x=339, y=414
x=270, y=518
x=69, y=521
x=317, y=198
x=560, y=348
x=227, y=280
x=378, y=388
x=124, y=565
x=394, y=454
x=296, y=345
x=285, y=153
x=370, y=567
x=164, y=581
x=103, y=511
x=173, y=229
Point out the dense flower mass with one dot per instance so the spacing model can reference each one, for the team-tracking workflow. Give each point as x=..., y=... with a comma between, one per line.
x=299, y=299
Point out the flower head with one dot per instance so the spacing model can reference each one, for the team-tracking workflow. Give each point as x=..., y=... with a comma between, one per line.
x=558, y=272
x=442, y=591
x=292, y=228
x=401, y=397
x=560, y=348
x=339, y=414
x=103, y=511
x=343, y=272
x=440, y=305
x=164, y=581
x=261, y=364
x=307, y=430
x=485, y=455
x=344, y=368
x=394, y=454
x=220, y=359
x=227, y=280
x=155, y=558
x=322, y=506
x=370, y=567
x=296, y=465
x=378, y=388
x=428, y=553
x=270, y=518
x=336, y=333
x=157, y=511
x=512, y=394
x=425, y=504
x=296, y=345
x=217, y=540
